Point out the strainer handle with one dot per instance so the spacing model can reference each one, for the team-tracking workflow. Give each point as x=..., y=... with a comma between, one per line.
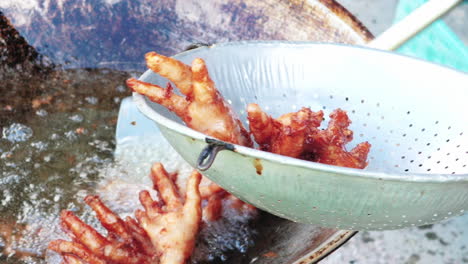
x=208, y=154
x=412, y=24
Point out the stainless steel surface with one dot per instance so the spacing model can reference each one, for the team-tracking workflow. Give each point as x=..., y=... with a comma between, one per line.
x=417, y=156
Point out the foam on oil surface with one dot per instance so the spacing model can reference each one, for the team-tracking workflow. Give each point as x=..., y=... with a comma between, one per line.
x=121, y=181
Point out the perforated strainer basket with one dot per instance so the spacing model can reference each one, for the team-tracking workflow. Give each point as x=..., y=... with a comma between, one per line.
x=413, y=113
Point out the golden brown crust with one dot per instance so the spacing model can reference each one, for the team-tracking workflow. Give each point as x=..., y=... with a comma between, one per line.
x=348, y=18
x=328, y=146
x=297, y=135
x=285, y=135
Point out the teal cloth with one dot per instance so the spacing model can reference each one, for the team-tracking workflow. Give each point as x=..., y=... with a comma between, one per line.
x=437, y=43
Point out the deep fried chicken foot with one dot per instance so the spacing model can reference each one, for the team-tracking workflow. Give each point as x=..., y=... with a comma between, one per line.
x=165, y=232
x=297, y=135
x=203, y=108
x=328, y=146
x=215, y=195
x=285, y=135
x=173, y=225
x=120, y=246
x=172, y=69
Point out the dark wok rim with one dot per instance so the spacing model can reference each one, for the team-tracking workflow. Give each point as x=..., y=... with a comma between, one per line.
x=348, y=18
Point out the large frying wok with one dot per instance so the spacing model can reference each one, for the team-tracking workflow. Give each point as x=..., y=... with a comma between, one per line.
x=47, y=166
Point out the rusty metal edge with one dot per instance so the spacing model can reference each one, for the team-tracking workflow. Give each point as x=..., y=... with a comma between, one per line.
x=326, y=248
x=348, y=18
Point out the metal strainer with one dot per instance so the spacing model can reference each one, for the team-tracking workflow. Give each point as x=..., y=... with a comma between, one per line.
x=412, y=112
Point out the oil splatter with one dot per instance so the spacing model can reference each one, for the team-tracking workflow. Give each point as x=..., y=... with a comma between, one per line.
x=258, y=166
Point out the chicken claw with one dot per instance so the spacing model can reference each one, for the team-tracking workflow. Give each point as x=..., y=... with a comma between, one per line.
x=328, y=146
x=173, y=225
x=297, y=135
x=120, y=246
x=165, y=232
x=172, y=69
x=202, y=108
x=286, y=135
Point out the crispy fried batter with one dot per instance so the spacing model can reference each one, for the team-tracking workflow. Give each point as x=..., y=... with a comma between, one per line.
x=297, y=135
x=328, y=146
x=203, y=108
x=286, y=135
